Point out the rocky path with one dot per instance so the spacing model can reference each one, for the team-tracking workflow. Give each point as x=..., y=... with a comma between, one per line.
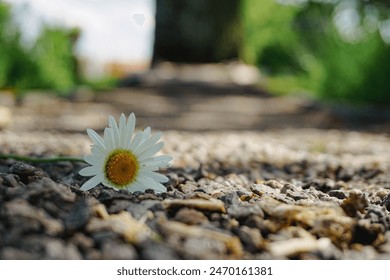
x=256, y=185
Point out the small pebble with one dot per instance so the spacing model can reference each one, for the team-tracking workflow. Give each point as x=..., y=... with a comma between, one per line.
x=190, y=217
x=78, y=216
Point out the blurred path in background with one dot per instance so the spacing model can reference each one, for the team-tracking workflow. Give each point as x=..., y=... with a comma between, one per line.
x=184, y=97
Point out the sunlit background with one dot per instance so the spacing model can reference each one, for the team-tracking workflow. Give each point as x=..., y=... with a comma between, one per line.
x=276, y=114
x=333, y=51
x=109, y=33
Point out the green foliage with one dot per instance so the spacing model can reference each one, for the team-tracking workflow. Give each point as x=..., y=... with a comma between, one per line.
x=15, y=64
x=49, y=64
x=300, y=49
x=54, y=59
x=105, y=83
x=352, y=70
x=267, y=24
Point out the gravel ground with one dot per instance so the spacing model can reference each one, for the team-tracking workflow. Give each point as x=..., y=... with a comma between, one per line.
x=254, y=176
x=283, y=194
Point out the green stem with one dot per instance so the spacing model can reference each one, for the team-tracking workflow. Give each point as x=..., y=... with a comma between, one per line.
x=41, y=160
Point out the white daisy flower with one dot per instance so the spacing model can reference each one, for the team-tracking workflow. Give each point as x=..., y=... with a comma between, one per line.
x=123, y=159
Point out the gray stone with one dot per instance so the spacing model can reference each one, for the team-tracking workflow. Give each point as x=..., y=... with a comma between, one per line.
x=152, y=250
x=117, y=251
x=204, y=248
x=386, y=202
x=78, y=216
x=10, y=253
x=59, y=250
x=11, y=180
x=190, y=217
x=338, y=194
x=251, y=238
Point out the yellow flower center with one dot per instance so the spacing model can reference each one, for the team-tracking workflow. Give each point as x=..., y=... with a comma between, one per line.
x=122, y=168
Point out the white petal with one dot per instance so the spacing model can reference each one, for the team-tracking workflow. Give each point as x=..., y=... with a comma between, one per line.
x=158, y=188
x=129, y=132
x=93, y=182
x=136, y=141
x=154, y=176
x=146, y=134
x=112, y=122
x=162, y=158
x=130, y=127
x=151, y=151
x=136, y=187
x=98, y=151
x=114, y=139
x=122, y=120
x=151, y=168
x=146, y=182
x=150, y=184
x=131, y=121
x=108, y=139
x=95, y=137
x=122, y=131
x=149, y=142
x=109, y=185
x=155, y=165
x=92, y=160
x=91, y=170
x=114, y=129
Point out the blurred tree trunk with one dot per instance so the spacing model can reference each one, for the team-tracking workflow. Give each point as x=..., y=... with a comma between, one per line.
x=197, y=31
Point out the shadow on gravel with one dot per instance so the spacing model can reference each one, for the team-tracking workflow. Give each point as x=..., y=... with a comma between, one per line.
x=200, y=106
x=187, y=106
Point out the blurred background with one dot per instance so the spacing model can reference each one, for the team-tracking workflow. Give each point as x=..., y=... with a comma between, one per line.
x=195, y=65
